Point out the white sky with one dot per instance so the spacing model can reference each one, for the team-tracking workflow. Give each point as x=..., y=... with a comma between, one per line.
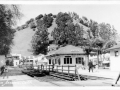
x=108, y=13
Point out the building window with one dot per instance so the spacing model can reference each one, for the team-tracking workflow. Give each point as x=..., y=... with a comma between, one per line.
x=31, y=60
x=16, y=57
x=116, y=53
x=53, y=62
x=49, y=61
x=59, y=61
x=67, y=60
x=79, y=60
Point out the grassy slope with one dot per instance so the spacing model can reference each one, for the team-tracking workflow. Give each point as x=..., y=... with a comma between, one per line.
x=22, y=41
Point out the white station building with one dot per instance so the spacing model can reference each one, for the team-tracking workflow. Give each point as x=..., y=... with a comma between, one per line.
x=67, y=55
x=115, y=58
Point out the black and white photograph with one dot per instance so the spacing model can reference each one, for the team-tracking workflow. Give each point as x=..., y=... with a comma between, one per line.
x=60, y=43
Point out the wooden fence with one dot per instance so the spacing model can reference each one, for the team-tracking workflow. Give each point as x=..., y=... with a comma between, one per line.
x=59, y=68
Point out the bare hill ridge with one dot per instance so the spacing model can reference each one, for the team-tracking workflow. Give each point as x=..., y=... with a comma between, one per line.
x=22, y=42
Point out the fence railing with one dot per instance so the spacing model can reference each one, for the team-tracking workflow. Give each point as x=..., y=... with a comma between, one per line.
x=59, y=68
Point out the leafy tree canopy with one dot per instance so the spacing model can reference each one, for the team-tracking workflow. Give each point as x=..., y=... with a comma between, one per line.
x=70, y=31
x=8, y=16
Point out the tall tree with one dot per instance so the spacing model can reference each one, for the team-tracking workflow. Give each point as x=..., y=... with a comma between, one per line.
x=40, y=39
x=66, y=31
x=93, y=28
x=9, y=14
x=106, y=34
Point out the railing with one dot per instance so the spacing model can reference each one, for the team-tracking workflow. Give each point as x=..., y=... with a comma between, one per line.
x=59, y=68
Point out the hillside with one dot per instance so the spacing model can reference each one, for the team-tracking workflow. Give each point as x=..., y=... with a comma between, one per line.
x=22, y=41
x=24, y=33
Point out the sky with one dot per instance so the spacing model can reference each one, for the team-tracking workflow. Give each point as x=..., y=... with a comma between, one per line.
x=108, y=13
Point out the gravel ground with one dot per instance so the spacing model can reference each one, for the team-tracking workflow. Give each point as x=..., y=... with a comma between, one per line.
x=49, y=78
x=13, y=71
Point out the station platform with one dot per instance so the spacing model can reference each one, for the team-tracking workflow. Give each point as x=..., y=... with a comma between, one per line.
x=27, y=81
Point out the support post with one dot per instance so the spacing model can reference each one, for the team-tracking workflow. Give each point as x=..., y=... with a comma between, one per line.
x=49, y=68
x=57, y=68
x=62, y=68
x=68, y=69
x=78, y=72
x=75, y=71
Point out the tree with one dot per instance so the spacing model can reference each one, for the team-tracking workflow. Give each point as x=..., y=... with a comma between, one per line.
x=30, y=21
x=70, y=34
x=39, y=17
x=107, y=35
x=32, y=25
x=87, y=50
x=93, y=28
x=8, y=17
x=40, y=39
x=66, y=31
x=74, y=15
x=107, y=32
x=109, y=44
x=48, y=19
x=62, y=19
x=101, y=34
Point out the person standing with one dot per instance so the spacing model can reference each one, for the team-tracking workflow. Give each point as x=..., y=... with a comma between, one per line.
x=2, y=69
x=90, y=65
x=96, y=68
x=5, y=74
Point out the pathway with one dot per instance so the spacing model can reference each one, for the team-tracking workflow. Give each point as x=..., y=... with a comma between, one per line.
x=27, y=81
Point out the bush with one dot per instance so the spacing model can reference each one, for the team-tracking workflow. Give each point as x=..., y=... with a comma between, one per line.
x=39, y=17
x=32, y=25
x=47, y=21
x=54, y=16
x=50, y=14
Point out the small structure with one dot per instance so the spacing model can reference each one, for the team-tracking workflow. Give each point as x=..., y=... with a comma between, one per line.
x=104, y=59
x=42, y=60
x=115, y=58
x=16, y=59
x=68, y=55
x=30, y=60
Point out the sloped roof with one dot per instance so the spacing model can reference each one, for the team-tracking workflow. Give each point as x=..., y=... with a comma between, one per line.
x=50, y=53
x=69, y=49
x=114, y=47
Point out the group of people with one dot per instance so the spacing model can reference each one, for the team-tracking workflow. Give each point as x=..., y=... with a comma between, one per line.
x=4, y=71
x=92, y=66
